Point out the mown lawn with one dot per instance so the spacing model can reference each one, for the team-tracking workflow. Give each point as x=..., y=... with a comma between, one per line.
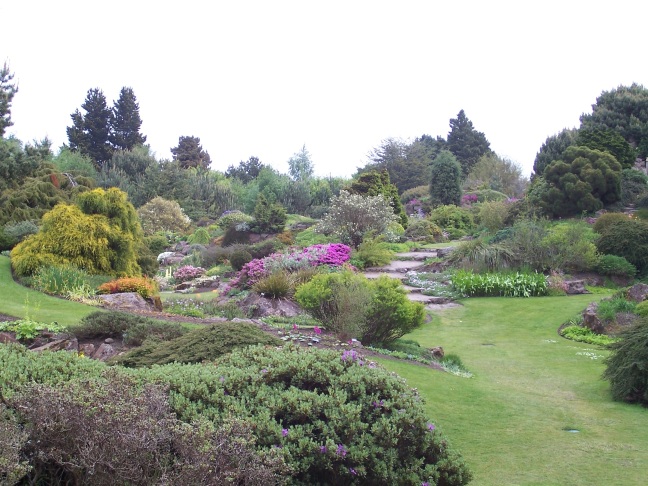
x=19, y=301
x=511, y=421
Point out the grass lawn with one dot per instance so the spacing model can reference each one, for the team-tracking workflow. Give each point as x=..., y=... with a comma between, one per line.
x=19, y=301
x=511, y=421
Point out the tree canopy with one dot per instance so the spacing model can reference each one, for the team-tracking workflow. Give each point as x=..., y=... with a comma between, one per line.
x=445, y=180
x=189, y=153
x=300, y=165
x=466, y=143
x=90, y=132
x=7, y=93
x=376, y=183
x=125, y=122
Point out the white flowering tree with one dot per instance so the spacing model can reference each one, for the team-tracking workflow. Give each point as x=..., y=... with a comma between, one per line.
x=352, y=216
x=160, y=214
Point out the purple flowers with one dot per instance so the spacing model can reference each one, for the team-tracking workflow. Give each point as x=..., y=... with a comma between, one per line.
x=349, y=355
x=188, y=272
x=317, y=330
x=431, y=427
x=284, y=432
x=352, y=471
x=341, y=451
x=323, y=449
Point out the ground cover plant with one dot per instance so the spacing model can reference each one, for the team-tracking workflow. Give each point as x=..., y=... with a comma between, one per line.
x=499, y=284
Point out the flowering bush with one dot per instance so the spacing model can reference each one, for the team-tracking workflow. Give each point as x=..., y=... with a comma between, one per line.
x=188, y=272
x=332, y=254
x=142, y=285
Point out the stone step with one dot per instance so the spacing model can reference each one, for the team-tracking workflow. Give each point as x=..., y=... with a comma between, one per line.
x=402, y=266
x=416, y=255
x=377, y=273
x=412, y=290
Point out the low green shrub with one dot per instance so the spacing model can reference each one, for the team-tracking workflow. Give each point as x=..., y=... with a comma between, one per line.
x=604, y=221
x=609, y=308
x=615, y=265
x=277, y=285
x=132, y=328
x=239, y=258
x=454, y=220
x=642, y=309
x=627, y=365
x=499, y=284
x=200, y=236
x=629, y=239
x=585, y=335
x=157, y=243
x=198, y=345
x=372, y=252
x=215, y=255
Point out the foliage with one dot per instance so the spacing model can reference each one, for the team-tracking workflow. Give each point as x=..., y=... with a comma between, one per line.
x=604, y=221
x=498, y=174
x=609, y=308
x=7, y=92
x=277, y=285
x=233, y=218
x=641, y=309
x=552, y=149
x=479, y=256
x=198, y=345
x=58, y=279
x=634, y=187
x=372, y=252
x=144, y=286
x=99, y=235
x=585, y=335
x=300, y=165
x=199, y=237
x=423, y=229
x=239, y=258
x=131, y=328
x=245, y=171
x=162, y=215
x=499, y=284
x=13, y=233
x=453, y=219
x=445, y=181
x=570, y=247
x=189, y=153
x=188, y=272
x=90, y=132
x=628, y=239
x=627, y=365
x=391, y=314
x=352, y=216
x=492, y=215
x=378, y=183
x=125, y=123
x=607, y=140
x=526, y=241
x=466, y=143
x=615, y=265
x=268, y=217
x=27, y=329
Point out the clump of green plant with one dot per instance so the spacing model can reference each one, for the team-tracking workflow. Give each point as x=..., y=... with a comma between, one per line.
x=479, y=255
x=277, y=285
x=454, y=220
x=372, y=252
x=58, y=279
x=239, y=258
x=609, y=308
x=185, y=307
x=499, y=284
x=133, y=329
x=641, y=309
x=27, y=329
x=604, y=221
x=585, y=335
x=627, y=365
x=229, y=310
x=198, y=345
x=422, y=229
x=616, y=266
x=144, y=286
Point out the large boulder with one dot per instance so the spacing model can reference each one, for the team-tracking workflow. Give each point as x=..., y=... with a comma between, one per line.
x=259, y=306
x=591, y=320
x=574, y=287
x=126, y=301
x=638, y=292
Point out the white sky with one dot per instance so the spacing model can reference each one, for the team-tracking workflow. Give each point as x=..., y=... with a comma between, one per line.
x=264, y=77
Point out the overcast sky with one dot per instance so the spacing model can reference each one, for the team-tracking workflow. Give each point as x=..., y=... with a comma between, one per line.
x=264, y=77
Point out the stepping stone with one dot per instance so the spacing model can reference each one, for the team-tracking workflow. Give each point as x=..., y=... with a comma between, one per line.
x=412, y=290
x=401, y=266
x=415, y=255
x=377, y=273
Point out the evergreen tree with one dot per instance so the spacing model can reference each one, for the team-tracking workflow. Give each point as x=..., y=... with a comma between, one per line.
x=125, y=122
x=189, y=153
x=445, y=181
x=245, y=171
x=607, y=140
x=376, y=183
x=553, y=149
x=300, y=165
x=90, y=133
x=7, y=92
x=466, y=143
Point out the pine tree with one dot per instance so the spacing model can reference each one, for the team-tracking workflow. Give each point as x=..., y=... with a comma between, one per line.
x=89, y=133
x=445, y=183
x=189, y=153
x=7, y=92
x=466, y=143
x=125, y=122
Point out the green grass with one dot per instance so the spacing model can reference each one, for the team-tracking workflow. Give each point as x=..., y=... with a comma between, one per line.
x=19, y=301
x=529, y=386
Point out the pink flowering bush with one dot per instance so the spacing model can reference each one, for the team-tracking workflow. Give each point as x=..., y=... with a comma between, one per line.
x=188, y=272
x=332, y=255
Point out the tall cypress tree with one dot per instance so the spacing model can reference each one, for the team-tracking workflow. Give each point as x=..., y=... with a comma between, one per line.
x=126, y=122
x=189, y=153
x=466, y=143
x=89, y=133
x=7, y=92
x=445, y=181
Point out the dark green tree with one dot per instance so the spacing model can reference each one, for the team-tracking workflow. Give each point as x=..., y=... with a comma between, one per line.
x=607, y=140
x=189, y=153
x=376, y=183
x=584, y=180
x=245, y=171
x=445, y=180
x=133, y=161
x=125, y=122
x=268, y=217
x=624, y=109
x=466, y=143
x=300, y=165
x=553, y=149
x=7, y=92
x=17, y=163
x=90, y=132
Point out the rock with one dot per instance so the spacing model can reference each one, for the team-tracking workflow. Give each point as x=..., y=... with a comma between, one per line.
x=574, y=287
x=436, y=300
x=638, y=292
x=6, y=338
x=156, y=303
x=259, y=306
x=125, y=301
x=87, y=349
x=437, y=352
x=104, y=352
x=207, y=282
x=170, y=258
x=182, y=286
x=109, y=340
x=591, y=320
x=59, y=345
x=444, y=252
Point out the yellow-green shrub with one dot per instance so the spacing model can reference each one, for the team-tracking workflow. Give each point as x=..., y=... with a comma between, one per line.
x=143, y=286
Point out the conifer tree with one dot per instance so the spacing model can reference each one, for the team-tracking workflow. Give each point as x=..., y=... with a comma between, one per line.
x=125, y=122
x=90, y=133
x=7, y=92
x=445, y=183
x=189, y=153
x=466, y=143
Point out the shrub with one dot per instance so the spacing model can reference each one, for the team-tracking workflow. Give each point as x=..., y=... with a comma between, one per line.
x=527, y=245
x=604, y=221
x=198, y=345
x=492, y=215
x=423, y=229
x=214, y=255
x=641, y=309
x=455, y=220
x=275, y=285
x=20, y=230
x=499, y=284
x=609, y=308
x=188, y=272
x=146, y=287
x=615, y=265
x=390, y=314
x=445, y=179
x=160, y=214
x=268, y=217
x=628, y=239
x=585, y=335
x=569, y=247
x=200, y=237
x=232, y=218
x=481, y=256
x=156, y=243
x=372, y=252
x=234, y=235
x=132, y=328
x=239, y=258
x=627, y=365
x=58, y=279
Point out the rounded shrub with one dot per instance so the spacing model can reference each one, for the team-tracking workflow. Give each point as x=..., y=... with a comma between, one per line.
x=239, y=258
x=604, y=221
x=423, y=229
x=628, y=239
x=455, y=220
x=615, y=265
x=642, y=309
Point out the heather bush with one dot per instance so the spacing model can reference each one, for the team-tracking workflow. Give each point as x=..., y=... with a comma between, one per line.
x=627, y=365
x=239, y=258
x=188, y=272
x=615, y=265
x=146, y=287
